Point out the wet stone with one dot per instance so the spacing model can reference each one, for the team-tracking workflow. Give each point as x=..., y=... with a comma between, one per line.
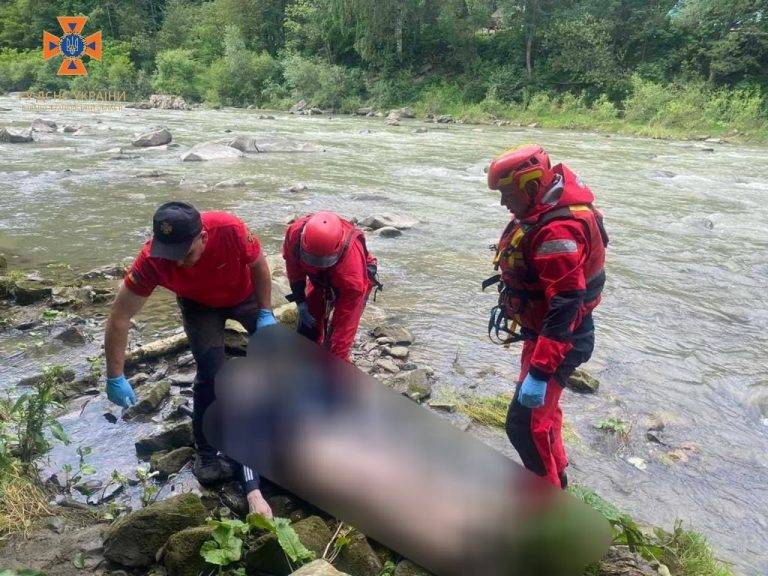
x=170, y=438
x=400, y=352
x=171, y=462
x=395, y=332
x=387, y=365
x=182, y=380
x=580, y=381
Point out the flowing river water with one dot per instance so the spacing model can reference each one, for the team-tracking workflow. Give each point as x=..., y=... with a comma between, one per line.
x=682, y=331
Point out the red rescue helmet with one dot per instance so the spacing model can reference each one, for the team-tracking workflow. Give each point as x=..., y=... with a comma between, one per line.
x=517, y=167
x=322, y=240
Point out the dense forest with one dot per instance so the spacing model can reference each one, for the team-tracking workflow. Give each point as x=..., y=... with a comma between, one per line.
x=662, y=66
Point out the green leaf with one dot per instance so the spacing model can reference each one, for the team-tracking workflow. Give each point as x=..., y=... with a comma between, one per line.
x=57, y=431
x=290, y=543
x=79, y=561
x=87, y=469
x=261, y=522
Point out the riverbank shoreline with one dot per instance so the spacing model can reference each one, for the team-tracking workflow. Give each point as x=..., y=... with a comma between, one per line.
x=373, y=354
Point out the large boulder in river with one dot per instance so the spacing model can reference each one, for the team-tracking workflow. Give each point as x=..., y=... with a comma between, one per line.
x=42, y=125
x=168, y=439
x=243, y=143
x=153, y=138
x=15, y=136
x=181, y=555
x=135, y=539
x=211, y=151
x=300, y=106
x=391, y=220
x=168, y=102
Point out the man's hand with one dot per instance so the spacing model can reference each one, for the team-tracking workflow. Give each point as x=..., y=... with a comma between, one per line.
x=119, y=391
x=257, y=504
x=532, y=392
x=264, y=319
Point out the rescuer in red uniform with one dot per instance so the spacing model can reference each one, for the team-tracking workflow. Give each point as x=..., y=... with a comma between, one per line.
x=550, y=262
x=329, y=269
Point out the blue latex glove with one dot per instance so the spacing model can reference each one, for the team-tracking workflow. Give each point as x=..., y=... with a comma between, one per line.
x=532, y=392
x=305, y=318
x=265, y=318
x=120, y=392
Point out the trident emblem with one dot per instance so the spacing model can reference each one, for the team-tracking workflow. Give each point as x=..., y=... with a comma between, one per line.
x=72, y=46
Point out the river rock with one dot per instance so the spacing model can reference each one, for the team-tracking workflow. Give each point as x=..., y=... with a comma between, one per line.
x=318, y=568
x=88, y=487
x=420, y=130
x=287, y=314
x=108, y=272
x=300, y=187
x=26, y=292
x=102, y=496
x=266, y=555
x=208, y=151
x=399, y=352
x=149, y=400
x=408, y=568
x=135, y=539
x=396, y=334
x=71, y=129
x=175, y=436
x=387, y=365
x=389, y=220
x=393, y=119
x=183, y=379
x=358, y=558
x=364, y=111
x=157, y=348
x=415, y=384
x=63, y=296
x=167, y=102
x=15, y=136
x=243, y=144
x=181, y=555
x=171, y=462
x=580, y=381
x=445, y=119
x=153, y=138
x=233, y=183
x=388, y=232
x=67, y=375
x=300, y=106
x=42, y=125
x=71, y=335
x=620, y=561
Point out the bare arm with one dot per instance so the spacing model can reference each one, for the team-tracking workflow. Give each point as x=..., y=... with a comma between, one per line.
x=126, y=306
x=262, y=282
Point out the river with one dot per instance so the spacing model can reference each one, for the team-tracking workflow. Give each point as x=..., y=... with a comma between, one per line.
x=682, y=332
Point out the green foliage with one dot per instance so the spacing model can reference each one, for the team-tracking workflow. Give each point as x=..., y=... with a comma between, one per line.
x=226, y=544
x=178, y=73
x=25, y=421
x=684, y=552
x=241, y=76
x=613, y=424
x=115, y=72
x=18, y=69
x=323, y=85
x=289, y=541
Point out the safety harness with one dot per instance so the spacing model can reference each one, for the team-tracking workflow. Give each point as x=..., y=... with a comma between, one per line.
x=502, y=329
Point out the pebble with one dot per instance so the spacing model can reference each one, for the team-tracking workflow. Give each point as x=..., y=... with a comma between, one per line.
x=387, y=364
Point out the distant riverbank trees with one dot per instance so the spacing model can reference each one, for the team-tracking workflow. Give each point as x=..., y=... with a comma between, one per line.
x=656, y=66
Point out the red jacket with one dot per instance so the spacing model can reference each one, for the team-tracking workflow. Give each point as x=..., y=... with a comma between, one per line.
x=348, y=278
x=551, y=266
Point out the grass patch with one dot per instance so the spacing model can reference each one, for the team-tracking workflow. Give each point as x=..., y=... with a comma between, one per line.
x=22, y=501
x=488, y=411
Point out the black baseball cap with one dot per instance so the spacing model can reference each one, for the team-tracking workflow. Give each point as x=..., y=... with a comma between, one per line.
x=175, y=226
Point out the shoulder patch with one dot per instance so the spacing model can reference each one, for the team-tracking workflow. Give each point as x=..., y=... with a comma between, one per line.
x=557, y=247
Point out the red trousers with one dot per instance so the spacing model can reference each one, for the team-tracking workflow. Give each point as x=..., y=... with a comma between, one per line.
x=536, y=433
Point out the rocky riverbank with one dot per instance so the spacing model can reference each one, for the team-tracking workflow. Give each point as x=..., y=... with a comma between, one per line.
x=155, y=519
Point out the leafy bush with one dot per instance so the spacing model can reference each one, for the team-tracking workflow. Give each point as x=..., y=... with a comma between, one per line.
x=18, y=70
x=240, y=77
x=323, y=85
x=178, y=74
x=115, y=72
x=25, y=421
